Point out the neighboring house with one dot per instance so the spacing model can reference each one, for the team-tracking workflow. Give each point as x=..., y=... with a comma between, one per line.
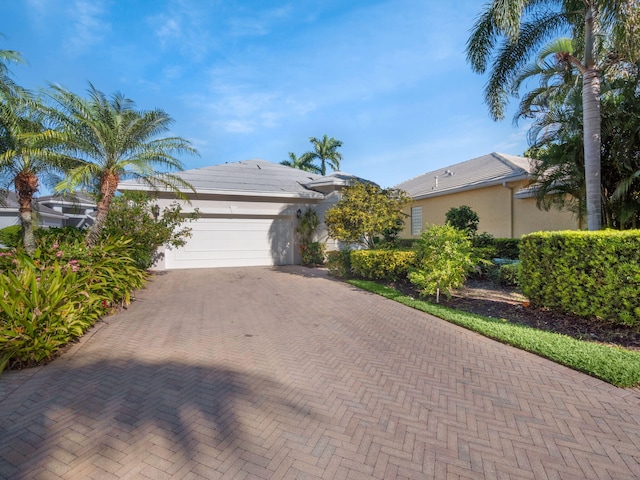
x=494, y=186
x=78, y=209
x=248, y=213
x=50, y=211
x=44, y=216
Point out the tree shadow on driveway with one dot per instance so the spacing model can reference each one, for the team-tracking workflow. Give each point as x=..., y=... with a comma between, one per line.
x=117, y=415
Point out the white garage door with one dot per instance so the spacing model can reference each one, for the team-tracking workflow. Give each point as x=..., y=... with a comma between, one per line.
x=235, y=242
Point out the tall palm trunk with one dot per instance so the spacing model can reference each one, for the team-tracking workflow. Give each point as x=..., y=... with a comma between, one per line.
x=592, y=129
x=591, y=116
x=108, y=186
x=26, y=184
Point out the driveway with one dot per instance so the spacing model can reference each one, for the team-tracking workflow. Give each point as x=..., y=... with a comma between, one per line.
x=283, y=373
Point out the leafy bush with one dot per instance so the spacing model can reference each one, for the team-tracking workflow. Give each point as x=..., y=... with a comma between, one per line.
x=339, y=263
x=11, y=236
x=507, y=248
x=134, y=215
x=443, y=259
x=42, y=309
x=114, y=274
x=50, y=298
x=508, y=274
x=312, y=253
x=381, y=264
x=585, y=273
x=489, y=247
x=463, y=218
x=401, y=243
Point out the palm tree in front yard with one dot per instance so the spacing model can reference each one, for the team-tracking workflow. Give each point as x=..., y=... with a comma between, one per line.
x=114, y=141
x=28, y=153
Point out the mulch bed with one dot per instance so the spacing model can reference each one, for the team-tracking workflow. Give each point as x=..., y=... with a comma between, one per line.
x=489, y=299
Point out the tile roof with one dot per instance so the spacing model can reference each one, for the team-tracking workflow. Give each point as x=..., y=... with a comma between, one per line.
x=335, y=181
x=76, y=198
x=249, y=177
x=491, y=169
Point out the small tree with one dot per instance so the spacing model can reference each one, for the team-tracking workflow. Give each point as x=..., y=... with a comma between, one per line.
x=365, y=212
x=134, y=215
x=463, y=218
x=443, y=259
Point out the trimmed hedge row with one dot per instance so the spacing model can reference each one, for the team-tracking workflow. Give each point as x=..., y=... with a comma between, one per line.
x=381, y=264
x=585, y=273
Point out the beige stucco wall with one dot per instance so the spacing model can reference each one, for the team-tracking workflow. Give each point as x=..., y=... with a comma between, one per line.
x=500, y=214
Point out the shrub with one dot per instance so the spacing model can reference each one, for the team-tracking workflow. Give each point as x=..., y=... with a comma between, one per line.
x=508, y=274
x=381, y=264
x=443, y=259
x=48, y=299
x=11, y=236
x=402, y=243
x=42, y=309
x=489, y=247
x=507, y=248
x=312, y=253
x=463, y=218
x=585, y=273
x=135, y=216
x=115, y=275
x=339, y=263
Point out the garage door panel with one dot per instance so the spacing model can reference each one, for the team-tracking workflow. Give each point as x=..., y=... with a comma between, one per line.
x=235, y=242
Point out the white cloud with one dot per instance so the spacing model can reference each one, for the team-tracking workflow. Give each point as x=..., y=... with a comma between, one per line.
x=182, y=26
x=168, y=29
x=88, y=28
x=259, y=23
x=238, y=110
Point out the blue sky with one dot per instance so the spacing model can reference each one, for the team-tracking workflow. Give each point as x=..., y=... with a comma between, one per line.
x=255, y=79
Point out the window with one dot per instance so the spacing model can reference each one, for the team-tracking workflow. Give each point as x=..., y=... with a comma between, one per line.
x=416, y=220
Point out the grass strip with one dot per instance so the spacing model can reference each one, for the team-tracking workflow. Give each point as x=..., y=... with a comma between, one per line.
x=615, y=365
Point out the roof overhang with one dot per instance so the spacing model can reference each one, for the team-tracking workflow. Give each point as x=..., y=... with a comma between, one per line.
x=473, y=186
x=226, y=193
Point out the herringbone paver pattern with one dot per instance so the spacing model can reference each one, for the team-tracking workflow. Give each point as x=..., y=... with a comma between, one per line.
x=265, y=373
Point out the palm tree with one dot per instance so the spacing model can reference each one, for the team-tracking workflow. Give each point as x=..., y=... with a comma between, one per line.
x=522, y=26
x=303, y=162
x=27, y=147
x=325, y=150
x=556, y=139
x=115, y=142
x=28, y=152
x=7, y=86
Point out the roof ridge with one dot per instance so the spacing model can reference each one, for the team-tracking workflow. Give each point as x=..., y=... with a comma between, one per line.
x=504, y=158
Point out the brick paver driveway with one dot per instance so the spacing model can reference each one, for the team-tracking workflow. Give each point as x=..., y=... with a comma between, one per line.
x=283, y=373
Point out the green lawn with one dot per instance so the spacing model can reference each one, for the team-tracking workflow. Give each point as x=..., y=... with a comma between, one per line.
x=614, y=365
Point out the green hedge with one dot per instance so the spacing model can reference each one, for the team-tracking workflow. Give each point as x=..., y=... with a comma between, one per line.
x=507, y=248
x=496, y=247
x=338, y=263
x=381, y=264
x=585, y=273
